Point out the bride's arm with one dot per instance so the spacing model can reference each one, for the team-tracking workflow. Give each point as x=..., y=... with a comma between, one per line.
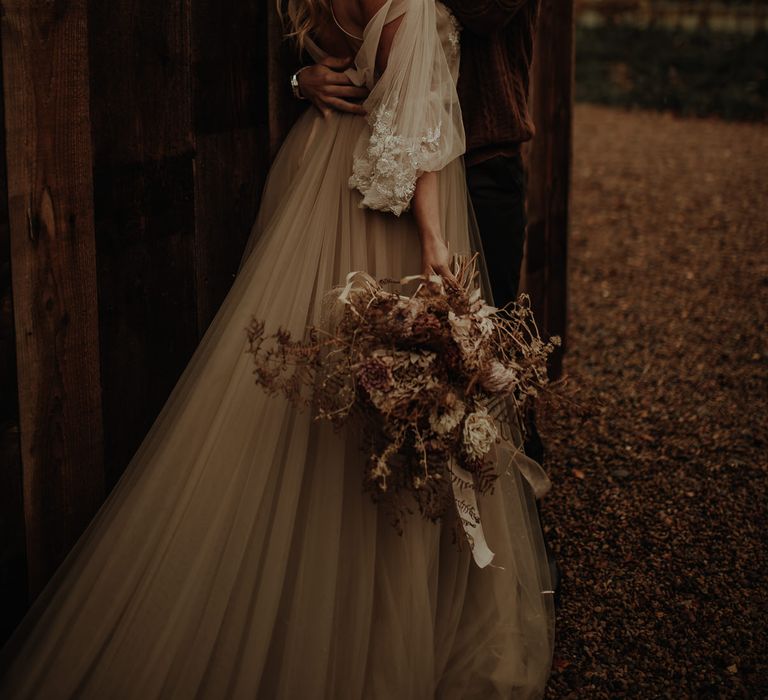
x=426, y=210
x=426, y=201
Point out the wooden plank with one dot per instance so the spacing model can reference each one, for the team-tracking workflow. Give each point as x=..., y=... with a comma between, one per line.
x=50, y=198
x=282, y=61
x=229, y=53
x=141, y=86
x=13, y=560
x=13, y=557
x=550, y=161
x=229, y=175
x=148, y=318
x=141, y=99
x=231, y=121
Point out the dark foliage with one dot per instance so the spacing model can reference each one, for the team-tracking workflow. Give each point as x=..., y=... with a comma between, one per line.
x=690, y=73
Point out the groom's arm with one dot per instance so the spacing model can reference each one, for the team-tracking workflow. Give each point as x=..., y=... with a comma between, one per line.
x=326, y=86
x=486, y=16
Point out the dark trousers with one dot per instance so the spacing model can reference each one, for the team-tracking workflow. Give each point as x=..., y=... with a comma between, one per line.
x=497, y=189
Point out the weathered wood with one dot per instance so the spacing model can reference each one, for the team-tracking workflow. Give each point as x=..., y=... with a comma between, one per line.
x=229, y=175
x=229, y=52
x=148, y=320
x=550, y=162
x=13, y=560
x=50, y=198
x=146, y=127
x=143, y=140
x=140, y=80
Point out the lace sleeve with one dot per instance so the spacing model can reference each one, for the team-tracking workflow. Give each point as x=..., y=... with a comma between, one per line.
x=414, y=116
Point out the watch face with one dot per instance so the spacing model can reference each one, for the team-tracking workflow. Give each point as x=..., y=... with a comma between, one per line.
x=295, y=86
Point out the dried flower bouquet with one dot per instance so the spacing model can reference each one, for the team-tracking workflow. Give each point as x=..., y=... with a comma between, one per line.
x=431, y=375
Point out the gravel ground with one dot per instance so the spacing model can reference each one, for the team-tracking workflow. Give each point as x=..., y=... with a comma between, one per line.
x=659, y=504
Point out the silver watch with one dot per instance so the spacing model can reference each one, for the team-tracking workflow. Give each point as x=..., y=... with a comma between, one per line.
x=295, y=84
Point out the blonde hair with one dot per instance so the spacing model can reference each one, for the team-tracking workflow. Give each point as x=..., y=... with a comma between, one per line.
x=302, y=17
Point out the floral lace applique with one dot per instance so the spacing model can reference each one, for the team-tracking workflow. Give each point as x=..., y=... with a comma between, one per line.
x=386, y=175
x=454, y=33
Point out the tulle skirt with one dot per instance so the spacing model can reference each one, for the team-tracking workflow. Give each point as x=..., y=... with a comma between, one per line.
x=238, y=557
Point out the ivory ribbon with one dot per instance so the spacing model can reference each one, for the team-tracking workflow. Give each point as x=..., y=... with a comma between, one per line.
x=353, y=278
x=466, y=504
x=465, y=495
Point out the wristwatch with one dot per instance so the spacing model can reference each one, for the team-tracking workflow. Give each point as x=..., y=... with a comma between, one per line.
x=295, y=84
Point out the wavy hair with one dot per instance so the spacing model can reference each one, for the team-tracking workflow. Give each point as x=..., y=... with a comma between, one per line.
x=302, y=17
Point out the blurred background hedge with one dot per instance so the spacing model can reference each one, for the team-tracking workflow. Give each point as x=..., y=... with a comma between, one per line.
x=692, y=58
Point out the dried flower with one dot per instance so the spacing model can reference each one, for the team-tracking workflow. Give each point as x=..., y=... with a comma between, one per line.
x=479, y=434
x=374, y=374
x=499, y=378
x=443, y=419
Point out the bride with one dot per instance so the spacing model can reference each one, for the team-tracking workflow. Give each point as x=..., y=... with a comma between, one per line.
x=238, y=556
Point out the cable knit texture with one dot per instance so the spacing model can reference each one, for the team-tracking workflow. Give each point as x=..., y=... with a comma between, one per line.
x=496, y=56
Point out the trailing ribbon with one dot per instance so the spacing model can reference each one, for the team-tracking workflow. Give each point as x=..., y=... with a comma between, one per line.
x=465, y=495
x=533, y=473
x=466, y=504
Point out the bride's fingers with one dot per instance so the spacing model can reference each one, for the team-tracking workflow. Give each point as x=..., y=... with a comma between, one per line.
x=448, y=275
x=440, y=270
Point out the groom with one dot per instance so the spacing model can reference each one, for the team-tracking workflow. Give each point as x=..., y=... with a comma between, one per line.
x=496, y=54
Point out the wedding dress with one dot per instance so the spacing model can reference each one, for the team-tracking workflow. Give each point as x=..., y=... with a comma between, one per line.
x=238, y=556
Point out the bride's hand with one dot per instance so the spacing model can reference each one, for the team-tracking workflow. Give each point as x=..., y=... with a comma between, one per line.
x=435, y=258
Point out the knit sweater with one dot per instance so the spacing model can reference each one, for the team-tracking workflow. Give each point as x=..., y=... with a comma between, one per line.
x=496, y=55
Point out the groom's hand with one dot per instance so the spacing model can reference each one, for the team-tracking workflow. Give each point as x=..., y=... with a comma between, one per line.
x=325, y=86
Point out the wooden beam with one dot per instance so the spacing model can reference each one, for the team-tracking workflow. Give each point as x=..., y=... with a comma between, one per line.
x=50, y=198
x=546, y=265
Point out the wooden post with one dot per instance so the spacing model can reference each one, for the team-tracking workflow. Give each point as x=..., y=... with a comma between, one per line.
x=50, y=199
x=549, y=173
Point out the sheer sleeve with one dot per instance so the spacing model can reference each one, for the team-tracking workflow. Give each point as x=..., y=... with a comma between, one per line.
x=413, y=109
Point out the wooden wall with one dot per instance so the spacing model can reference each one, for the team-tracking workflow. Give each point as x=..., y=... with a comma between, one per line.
x=138, y=138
